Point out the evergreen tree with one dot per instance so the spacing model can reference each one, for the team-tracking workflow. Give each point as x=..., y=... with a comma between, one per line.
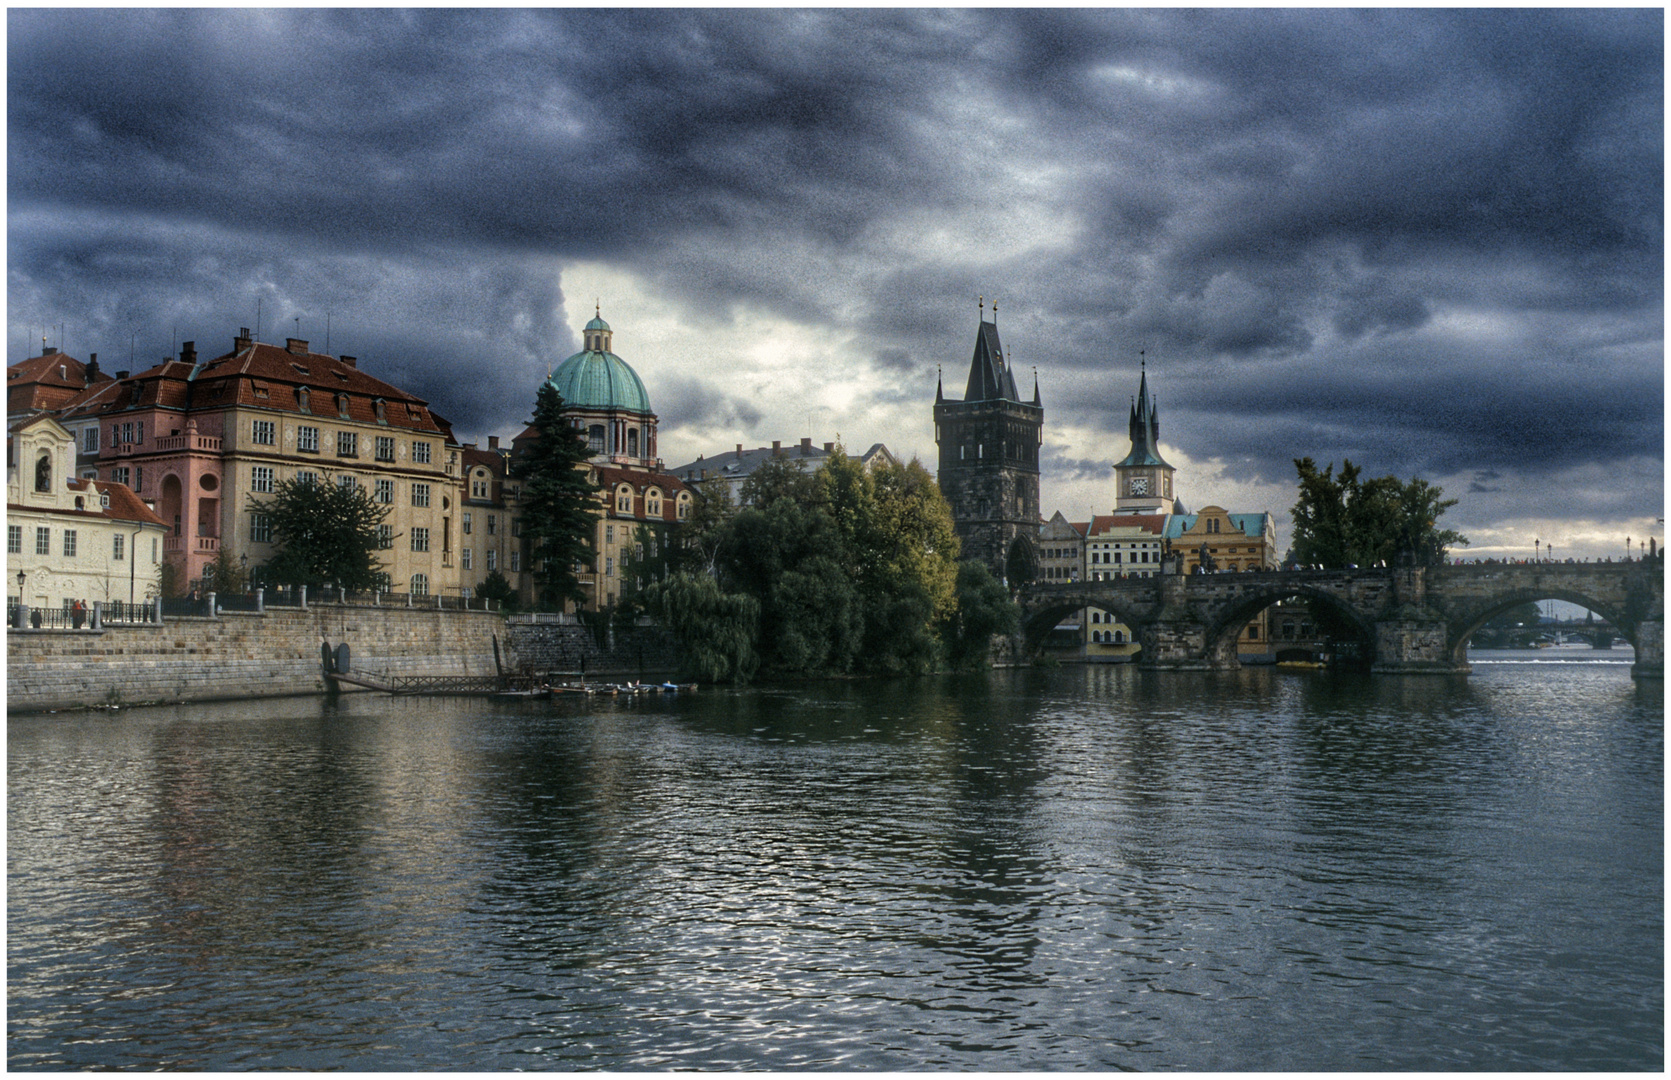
x=326, y=533
x=984, y=608
x=559, y=501
x=498, y=588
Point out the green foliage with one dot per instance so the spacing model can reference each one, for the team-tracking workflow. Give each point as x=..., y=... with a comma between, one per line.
x=984, y=608
x=325, y=532
x=847, y=569
x=497, y=587
x=224, y=576
x=693, y=544
x=168, y=581
x=779, y=478
x=716, y=630
x=1349, y=520
x=559, y=502
x=648, y=560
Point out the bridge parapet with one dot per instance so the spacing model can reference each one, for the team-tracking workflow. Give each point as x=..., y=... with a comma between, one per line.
x=1416, y=619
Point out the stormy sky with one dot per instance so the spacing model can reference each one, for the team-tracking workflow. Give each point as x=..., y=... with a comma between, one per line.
x=1428, y=241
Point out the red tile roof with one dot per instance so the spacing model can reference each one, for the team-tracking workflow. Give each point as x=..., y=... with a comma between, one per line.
x=46, y=382
x=124, y=504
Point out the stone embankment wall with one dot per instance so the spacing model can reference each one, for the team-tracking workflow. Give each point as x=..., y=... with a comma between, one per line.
x=277, y=654
x=237, y=655
x=537, y=644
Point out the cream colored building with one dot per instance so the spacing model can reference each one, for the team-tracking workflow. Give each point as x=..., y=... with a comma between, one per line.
x=73, y=539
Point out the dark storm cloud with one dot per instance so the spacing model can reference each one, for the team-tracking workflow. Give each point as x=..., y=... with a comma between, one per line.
x=1427, y=240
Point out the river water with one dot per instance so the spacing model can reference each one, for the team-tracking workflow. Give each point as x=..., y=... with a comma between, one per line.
x=1081, y=868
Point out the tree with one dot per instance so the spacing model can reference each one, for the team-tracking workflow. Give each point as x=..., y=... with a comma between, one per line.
x=779, y=478
x=984, y=608
x=325, y=531
x=559, y=501
x=224, y=576
x=1347, y=520
x=497, y=587
x=716, y=630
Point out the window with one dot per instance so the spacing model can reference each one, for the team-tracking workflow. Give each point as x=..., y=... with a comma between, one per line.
x=261, y=432
x=302, y=394
x=420, y=539
x=138, y=477
x=385, y=536
x=383, y=491
x=348, y=483
x=652, y=503
x=467, y=525
x=117, y=546
x=307, y=439
x=348, y=444
x=464, y=556
x=43, y=473
x=261, y=479
x=516, y=562
x=516, y=526
x=121, y=475
x=609, y=566
x=381, y=409
x=684, y=506
x=90, y=440
x=420, y=585
x=127, y=432
x=609, y=534
x=478, y=486
x=492, y=559
x=492, y=524
x=420, y=452
x=623, y=499
x=594, y=438
x=385, y=448
x=43, y=540
x=420, y=494
x=306, y=476
x=260, y=529
x=342, y=405
x=1212, y=525
x=69, y=543
x=139, y=431
x=14, y=539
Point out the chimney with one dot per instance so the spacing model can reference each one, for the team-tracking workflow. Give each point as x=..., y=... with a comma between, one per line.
x=493, y=442
x=242, y=341
x=92, y=369
x=49, y=350
x=64, y=372
x=739, y=450
x=829, y=448
x=777, y=448
x=121, y=374
x=295, y=346
x=188, y=353
x=806, y=446
x=349, y=361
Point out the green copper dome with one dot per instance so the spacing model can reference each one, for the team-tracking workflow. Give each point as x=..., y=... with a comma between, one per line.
x=600, y=380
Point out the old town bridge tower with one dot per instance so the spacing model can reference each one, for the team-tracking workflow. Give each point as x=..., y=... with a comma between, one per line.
x=989, y=454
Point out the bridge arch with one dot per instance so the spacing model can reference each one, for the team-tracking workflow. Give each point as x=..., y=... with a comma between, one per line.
x=1223, y=633
x=1038, y=622
x=1464, y=626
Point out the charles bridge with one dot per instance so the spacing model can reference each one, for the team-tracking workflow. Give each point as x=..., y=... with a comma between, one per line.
x=1409, y=619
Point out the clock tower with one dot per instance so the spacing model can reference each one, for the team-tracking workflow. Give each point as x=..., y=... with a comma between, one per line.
x=1144, y=478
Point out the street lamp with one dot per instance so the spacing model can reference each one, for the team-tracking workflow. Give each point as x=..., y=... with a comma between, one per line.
x=243, y=568
x=20, y=577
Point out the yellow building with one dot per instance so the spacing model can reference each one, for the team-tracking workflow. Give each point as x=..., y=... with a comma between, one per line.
x=1217, y=541
x=72, y=539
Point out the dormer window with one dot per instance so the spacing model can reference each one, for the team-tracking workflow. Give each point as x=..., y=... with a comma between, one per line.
x=43, y=473
x=302, y=395
x=104, y=499
x=342, y=405
x=381, y=408
x=623, y=499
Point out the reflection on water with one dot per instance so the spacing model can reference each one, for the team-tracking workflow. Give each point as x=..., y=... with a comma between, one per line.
x=1082, y=868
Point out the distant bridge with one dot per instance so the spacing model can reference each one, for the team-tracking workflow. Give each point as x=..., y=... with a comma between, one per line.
x=1409, y=619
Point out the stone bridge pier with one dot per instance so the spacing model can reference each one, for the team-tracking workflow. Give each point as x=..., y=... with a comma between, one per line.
x=1408, y=620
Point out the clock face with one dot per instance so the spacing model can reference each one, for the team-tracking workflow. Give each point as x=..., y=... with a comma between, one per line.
x=1140, y=485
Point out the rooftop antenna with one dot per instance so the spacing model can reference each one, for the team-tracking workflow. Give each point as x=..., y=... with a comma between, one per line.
x=258, y=318
x=298, y=321
x=981, y=300
x=327, y=333
x=994, y=313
